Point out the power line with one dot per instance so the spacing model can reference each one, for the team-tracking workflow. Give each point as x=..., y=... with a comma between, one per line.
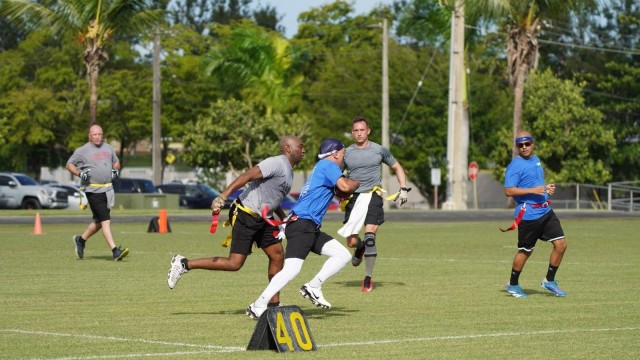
x=584, y=47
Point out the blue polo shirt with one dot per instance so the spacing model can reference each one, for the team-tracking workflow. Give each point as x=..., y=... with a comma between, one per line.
x=527, y=173
x=317, y=191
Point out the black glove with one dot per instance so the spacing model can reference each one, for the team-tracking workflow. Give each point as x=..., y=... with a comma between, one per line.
x=84, y=175
x=115, y=174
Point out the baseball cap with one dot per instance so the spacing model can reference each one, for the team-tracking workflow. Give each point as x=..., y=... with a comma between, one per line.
x=329, y=146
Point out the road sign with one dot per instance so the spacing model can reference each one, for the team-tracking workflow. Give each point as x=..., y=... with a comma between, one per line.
x=473, y=171
x=435, y=176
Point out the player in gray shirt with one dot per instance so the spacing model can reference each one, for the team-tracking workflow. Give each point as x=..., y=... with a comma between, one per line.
x=269, y=182
x=96, y=164
x=363, y=161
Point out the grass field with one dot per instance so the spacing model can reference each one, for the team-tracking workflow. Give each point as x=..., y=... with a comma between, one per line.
x=438, y=295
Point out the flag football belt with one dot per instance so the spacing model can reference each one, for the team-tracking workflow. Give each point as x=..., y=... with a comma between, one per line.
x=376, y=189
x=523, y=209
x=100, y=185
x=232, y=220
x=265, y=215
x=95, y=185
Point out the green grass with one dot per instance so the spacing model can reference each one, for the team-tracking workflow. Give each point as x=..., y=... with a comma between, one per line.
x=438, y=295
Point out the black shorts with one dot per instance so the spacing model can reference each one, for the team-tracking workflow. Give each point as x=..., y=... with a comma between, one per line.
x=249, y=229
x=546, y=228
x=303, y=237
x=99, y=207
x=375, y=212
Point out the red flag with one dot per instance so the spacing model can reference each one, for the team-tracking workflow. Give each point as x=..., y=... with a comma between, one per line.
x=214, y=223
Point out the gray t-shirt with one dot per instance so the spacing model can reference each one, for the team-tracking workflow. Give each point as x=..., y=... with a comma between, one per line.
x=365, y=164
x=100, y=160
x=277, y=177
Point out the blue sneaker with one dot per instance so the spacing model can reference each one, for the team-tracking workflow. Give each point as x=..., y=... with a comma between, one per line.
x=515, y=291
x=553, y=287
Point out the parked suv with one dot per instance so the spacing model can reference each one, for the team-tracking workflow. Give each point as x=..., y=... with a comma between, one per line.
x=133, y=186
x=21, y=191
x=193, y=196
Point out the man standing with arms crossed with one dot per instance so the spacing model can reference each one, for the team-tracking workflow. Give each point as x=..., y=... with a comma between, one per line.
x=96, y=164
x=269, y=182
x=363, y=161
x=534, y=218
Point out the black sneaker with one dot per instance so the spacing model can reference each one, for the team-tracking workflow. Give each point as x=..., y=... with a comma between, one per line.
x=119, y=253
x=79, y=243
x=358, y=254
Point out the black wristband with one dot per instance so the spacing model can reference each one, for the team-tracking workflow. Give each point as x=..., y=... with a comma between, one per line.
x=405, y=189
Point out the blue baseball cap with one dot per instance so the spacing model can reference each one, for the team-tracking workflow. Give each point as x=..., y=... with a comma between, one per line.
x=329, y=146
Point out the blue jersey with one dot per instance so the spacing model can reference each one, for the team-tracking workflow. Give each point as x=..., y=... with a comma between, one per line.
x=527, y=173
x=317, y=191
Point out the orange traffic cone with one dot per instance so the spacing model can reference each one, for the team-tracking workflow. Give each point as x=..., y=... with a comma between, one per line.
x=37, y=225
x=162, y=222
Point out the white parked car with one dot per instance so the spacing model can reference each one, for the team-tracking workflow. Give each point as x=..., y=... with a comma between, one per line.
x=76, y=197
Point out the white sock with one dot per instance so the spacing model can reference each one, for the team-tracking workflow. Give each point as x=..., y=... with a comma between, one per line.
x=339, y=256
x=290, y=270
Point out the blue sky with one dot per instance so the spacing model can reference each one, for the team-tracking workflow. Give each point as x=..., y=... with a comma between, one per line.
x=291, y=8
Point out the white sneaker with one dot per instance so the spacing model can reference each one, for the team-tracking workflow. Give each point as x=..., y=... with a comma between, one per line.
x=254, y=311
x=315, y=295
x=176, y=271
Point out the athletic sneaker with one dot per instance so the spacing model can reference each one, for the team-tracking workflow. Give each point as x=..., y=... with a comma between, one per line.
x=367, y=284
x=176, y=271
x=254, y=311
x=515, y=291
x=553, y=287
x=315, y=295
x=358, y=254
x=77, y=240
x=119, y=253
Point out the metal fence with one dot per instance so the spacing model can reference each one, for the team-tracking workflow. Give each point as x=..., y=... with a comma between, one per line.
x=620, y=196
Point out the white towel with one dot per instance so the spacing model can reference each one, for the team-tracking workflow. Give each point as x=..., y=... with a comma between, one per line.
x=357, y=216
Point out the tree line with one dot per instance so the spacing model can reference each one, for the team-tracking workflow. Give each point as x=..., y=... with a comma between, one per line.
x=232, y=84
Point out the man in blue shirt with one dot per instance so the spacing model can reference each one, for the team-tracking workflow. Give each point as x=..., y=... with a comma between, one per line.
x=303, y=230
x=534, y=218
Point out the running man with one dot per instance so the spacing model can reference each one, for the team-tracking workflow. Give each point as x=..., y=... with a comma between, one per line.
x=303, y=230
x=363, y=161
x=269, y=182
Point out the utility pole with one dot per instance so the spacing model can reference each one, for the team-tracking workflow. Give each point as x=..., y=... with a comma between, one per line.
x=385, y=99
x=385, y=104
x=456, y=131
x=156, y=146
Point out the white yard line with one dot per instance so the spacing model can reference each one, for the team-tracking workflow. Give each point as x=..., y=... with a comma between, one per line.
x=208, y=349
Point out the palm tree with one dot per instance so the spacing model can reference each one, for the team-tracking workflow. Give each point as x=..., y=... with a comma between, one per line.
x=523, y=20
x=256, y=65
x=91, y=22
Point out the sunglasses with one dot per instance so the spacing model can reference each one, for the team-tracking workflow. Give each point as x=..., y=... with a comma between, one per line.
x=524, y=144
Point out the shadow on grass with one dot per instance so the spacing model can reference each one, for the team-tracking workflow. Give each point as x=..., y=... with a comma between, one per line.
x=532, y=292
x=314, y=313
x=357, y=284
